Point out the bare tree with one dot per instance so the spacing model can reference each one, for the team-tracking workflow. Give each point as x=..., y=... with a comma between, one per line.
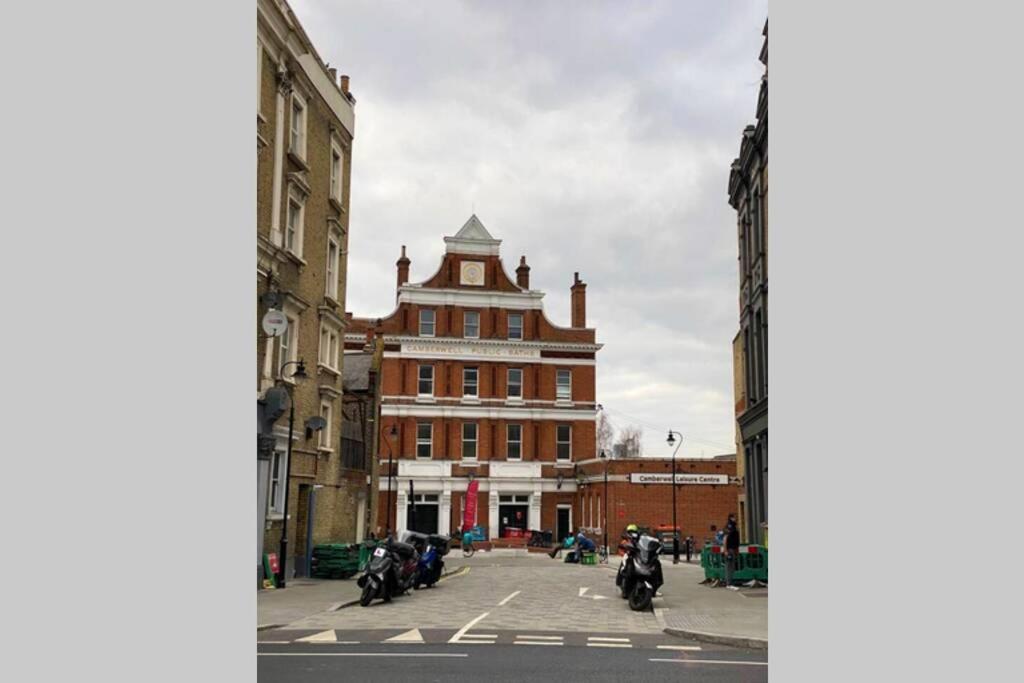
x=605, y=434
x=628, y=445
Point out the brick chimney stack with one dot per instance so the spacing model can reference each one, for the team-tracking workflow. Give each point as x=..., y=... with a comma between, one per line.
x=579, y=302
x=403, y=269
x=523, y=273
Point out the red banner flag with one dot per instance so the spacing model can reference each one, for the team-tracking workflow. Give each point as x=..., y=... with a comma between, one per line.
x=469, y=512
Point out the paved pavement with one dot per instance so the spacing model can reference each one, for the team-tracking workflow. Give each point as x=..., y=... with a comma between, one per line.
x=518, y=594
x=738, y=617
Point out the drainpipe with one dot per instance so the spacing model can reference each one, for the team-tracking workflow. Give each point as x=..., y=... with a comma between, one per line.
x=284, y=88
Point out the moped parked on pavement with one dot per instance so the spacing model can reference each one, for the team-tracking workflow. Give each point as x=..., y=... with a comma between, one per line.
x=639, y=576
x=391, y=571
x=431, y=548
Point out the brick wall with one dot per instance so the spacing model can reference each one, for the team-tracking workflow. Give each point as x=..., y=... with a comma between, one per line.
x=698, y=506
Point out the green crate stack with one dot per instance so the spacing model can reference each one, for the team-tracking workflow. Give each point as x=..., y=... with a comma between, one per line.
x=335, y=560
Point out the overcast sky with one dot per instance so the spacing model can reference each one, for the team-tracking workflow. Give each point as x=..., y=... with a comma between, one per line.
x=589, y=136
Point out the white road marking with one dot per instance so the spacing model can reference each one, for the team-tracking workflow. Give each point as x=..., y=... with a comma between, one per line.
x=688, y=648
x=536, y=642
x=526, y=635
x=413, y=636
x=492, y=636
x=462, y=631
x=609, y=645
x=708, y=661
x=358, y=654
x=508, y=598
x=322, y=637
x=609, y=640
x=583, y=590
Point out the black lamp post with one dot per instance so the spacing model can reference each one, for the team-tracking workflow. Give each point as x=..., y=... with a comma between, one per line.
x=298, y=375
x=675, y=529
x=604, y=456
x=393, y=432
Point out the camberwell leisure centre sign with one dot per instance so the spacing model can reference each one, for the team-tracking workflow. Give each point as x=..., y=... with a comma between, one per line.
x=645, y=478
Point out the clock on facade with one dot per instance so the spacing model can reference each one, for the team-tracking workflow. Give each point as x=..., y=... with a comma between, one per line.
x=472, y=273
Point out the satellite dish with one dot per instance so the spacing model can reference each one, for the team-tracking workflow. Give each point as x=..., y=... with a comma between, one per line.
x=276, y=400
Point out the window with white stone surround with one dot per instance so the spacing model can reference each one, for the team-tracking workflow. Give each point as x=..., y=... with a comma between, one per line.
x=514, y=443
x=325, y=433
x=426, y=380
x=333, y=251
x=426, y=322
x=469, y=430
x=337, y=171
x=563, y=385
x=563, y=444
x=471, y=325
x=294, y=224
x=515, y=325
x=297, y=138
x=515, y=383
x=329, y=345
x=470, y=382
x=424, y=440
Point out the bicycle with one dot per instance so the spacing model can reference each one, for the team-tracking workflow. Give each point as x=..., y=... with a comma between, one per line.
x=467, y=545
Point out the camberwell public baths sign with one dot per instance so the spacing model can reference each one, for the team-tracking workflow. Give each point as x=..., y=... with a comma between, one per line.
x=469, y=349
x=644, y=478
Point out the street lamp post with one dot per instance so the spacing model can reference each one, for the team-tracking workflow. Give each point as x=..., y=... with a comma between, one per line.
x=299, y=374
x=393, y=432
x=675, y=530
x=604, y=456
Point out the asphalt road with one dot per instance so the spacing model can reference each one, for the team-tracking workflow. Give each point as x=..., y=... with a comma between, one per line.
x=305, y=663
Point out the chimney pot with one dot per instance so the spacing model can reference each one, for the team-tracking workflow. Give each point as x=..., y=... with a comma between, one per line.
x=523, y=274
x=344, y=83
x=333, y=73
x=403, y=270
x=579, y=302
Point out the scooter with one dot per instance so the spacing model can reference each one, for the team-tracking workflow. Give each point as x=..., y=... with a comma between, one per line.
x=431, y=547
x=639, y=576
x=391, y=571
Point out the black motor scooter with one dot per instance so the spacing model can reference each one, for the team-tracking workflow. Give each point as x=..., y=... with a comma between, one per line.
x=391, y=571
x=639, y=576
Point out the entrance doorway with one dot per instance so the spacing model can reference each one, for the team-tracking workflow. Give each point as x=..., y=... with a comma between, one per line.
x=426, y=513
x=563, y=523
x=513, y=511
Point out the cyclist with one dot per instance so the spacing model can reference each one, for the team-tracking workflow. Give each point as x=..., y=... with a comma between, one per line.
x=467, y=543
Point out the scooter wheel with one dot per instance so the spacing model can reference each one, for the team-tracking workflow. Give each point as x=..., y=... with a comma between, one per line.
x=640, y=598
x=368, y=594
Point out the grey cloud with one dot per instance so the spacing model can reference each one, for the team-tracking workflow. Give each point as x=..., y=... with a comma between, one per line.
x=592, y=137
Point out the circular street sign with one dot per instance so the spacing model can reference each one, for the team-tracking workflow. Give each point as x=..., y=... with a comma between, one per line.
x=275, y=323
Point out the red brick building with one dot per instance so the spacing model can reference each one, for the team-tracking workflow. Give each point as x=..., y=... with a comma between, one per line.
x=640, y=492
x=479, y=384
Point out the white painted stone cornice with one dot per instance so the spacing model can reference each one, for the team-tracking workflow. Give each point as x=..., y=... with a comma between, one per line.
x=421, y=296
x=453, y=345
x=487, y=412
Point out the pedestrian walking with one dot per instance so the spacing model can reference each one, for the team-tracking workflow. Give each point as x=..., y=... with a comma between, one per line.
x=689, y=547
x=732, y=548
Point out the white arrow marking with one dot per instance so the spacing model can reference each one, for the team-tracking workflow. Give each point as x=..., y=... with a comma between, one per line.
x=583, y=590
